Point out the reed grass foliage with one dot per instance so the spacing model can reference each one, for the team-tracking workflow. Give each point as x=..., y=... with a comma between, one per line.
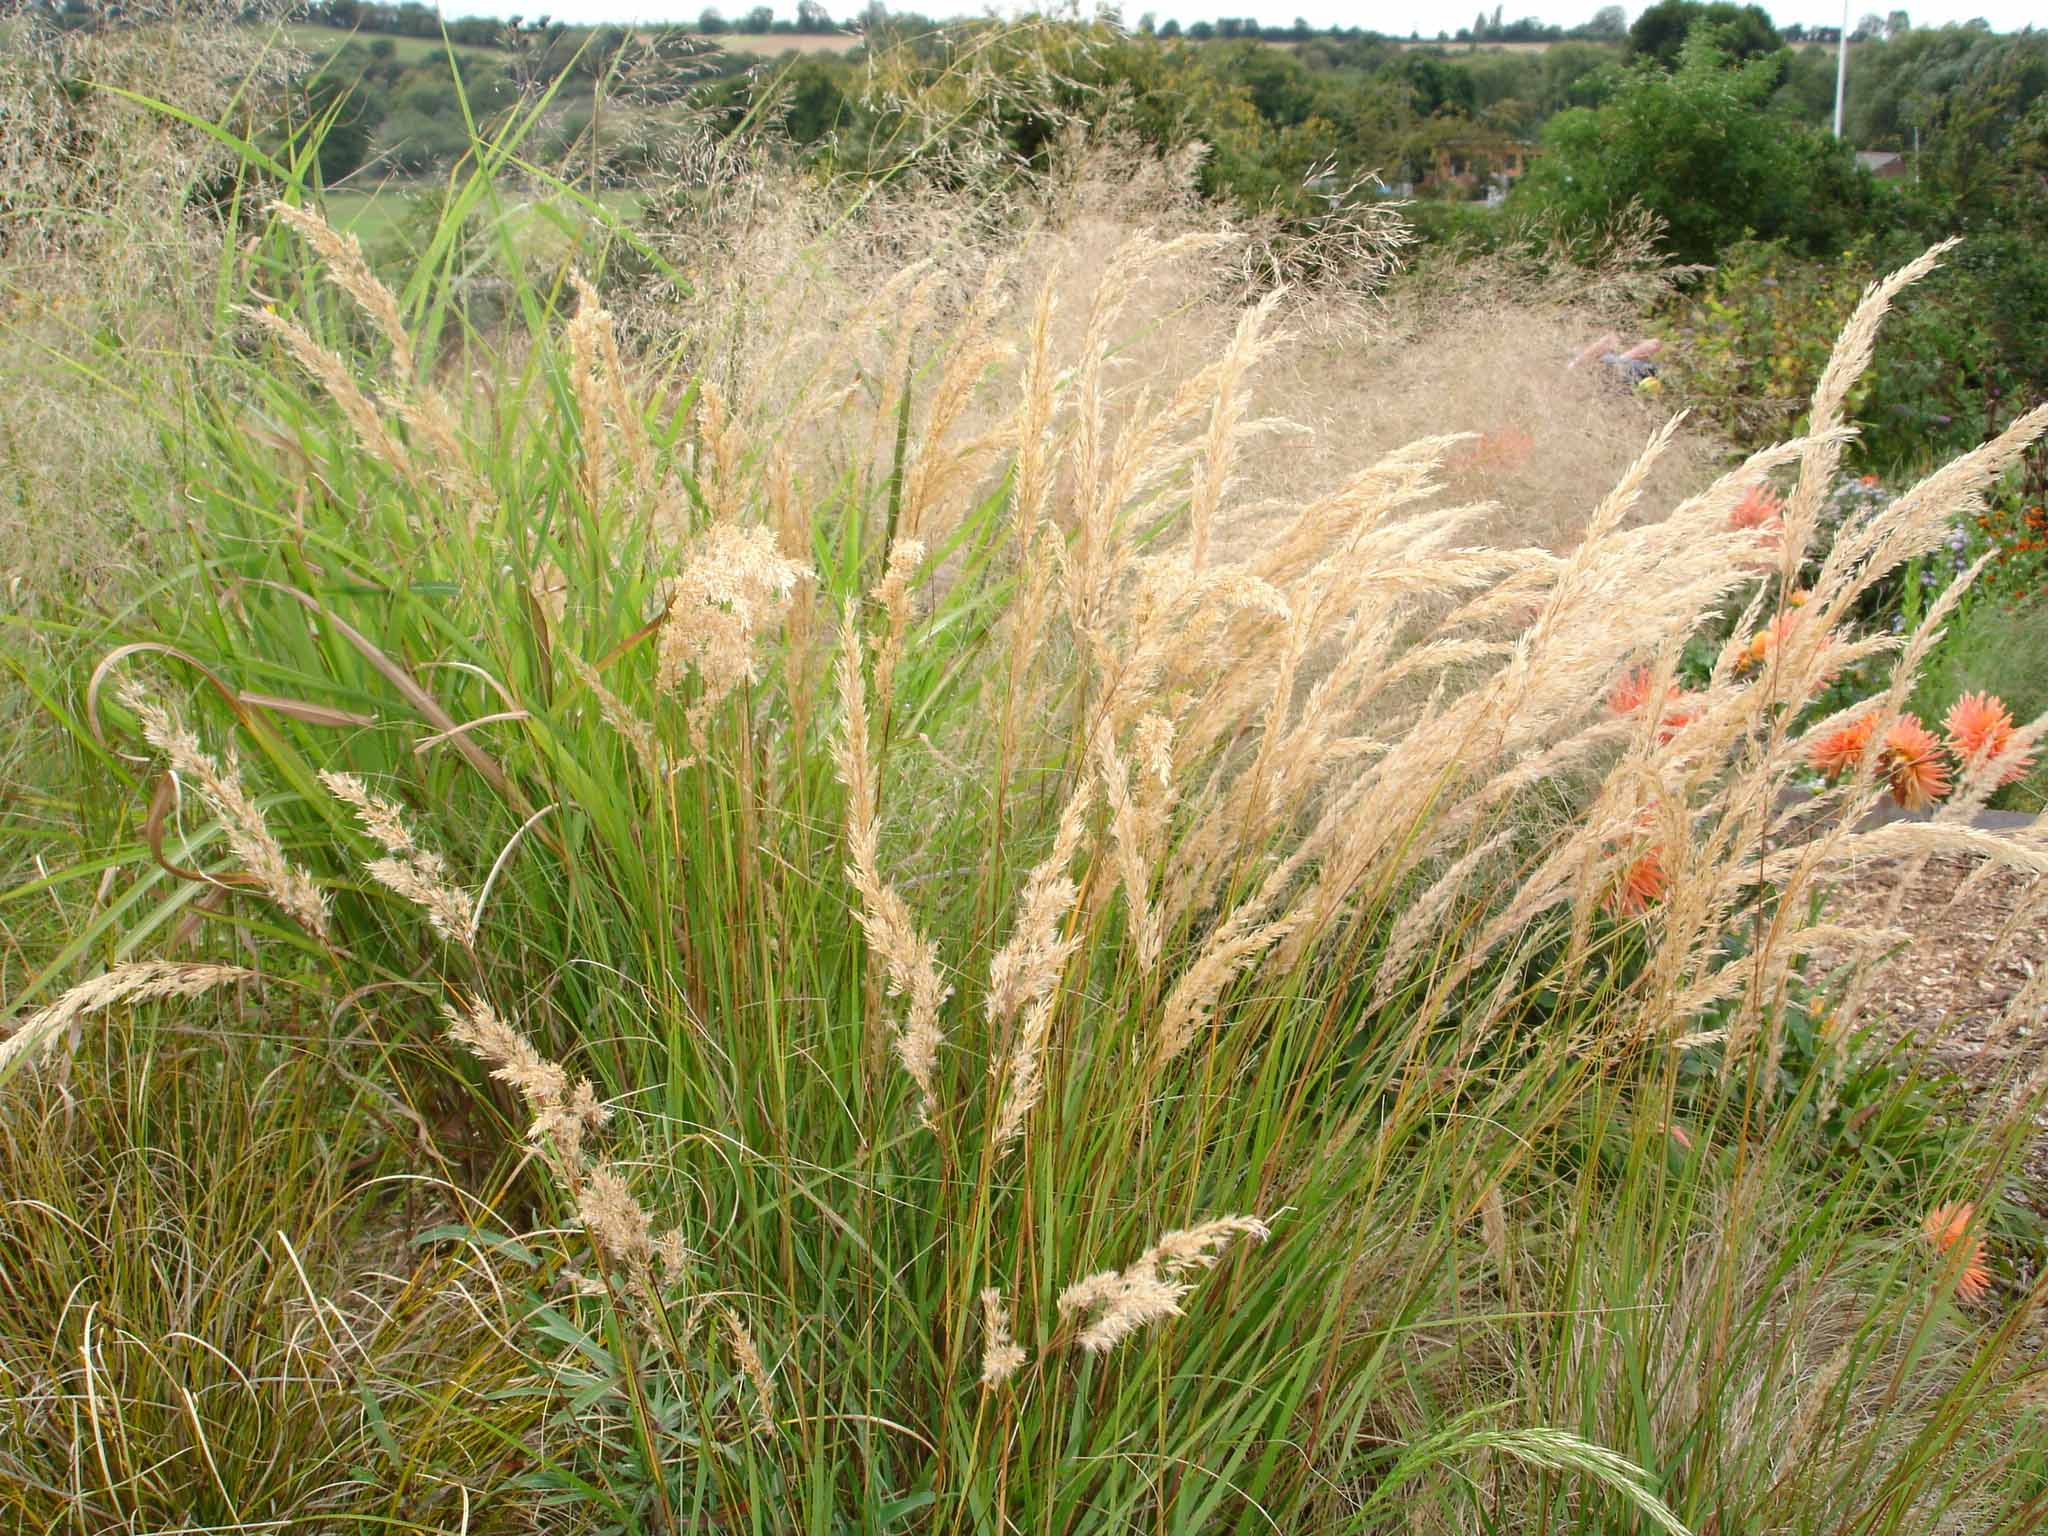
x=960, y=967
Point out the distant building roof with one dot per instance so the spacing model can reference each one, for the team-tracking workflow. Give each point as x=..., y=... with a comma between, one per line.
x=1882, y=162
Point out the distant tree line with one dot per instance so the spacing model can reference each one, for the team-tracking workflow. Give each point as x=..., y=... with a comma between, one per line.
x=414, y=20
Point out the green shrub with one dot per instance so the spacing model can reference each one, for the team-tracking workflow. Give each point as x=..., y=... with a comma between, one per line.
x=1702, y=150
x=1958, y=366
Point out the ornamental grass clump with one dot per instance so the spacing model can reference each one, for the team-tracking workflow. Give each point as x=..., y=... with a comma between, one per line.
x=854, y=862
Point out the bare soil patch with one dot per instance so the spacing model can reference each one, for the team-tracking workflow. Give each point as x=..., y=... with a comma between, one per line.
x=1960, y=989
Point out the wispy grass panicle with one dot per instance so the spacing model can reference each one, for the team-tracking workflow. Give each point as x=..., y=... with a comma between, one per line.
x=1024, y=974
x=219, y=785
x=343, y=255
x=333, y=374
x=1114, y=1304
x=729, y=595
x=639, y=734
x=137, y=981
x=909, y=959
x=415, y=873
x=1001, y=1356
x=436, y=451
x=893, y=595
x=566, y=1113
x=943, y=462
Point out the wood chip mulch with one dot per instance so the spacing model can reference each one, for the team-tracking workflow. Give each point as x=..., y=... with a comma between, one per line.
x=1960, y=988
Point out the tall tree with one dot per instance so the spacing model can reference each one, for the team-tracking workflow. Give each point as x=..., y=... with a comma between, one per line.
x=1739, y=31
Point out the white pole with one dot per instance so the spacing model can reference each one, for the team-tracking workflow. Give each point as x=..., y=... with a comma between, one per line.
x=1841, y=68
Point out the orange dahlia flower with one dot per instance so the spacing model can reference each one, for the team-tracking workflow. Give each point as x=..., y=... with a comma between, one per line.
x=1912, y=764
x=1760, y=507
x=1630, y=693
x=1842, y=749
x=1641, y=886
x=1768, y=639
x=1683, y=709
x=1979, y=729
x=1947, y=1225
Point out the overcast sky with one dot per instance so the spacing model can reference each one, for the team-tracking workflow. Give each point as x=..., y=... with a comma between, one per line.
x=1387, y=16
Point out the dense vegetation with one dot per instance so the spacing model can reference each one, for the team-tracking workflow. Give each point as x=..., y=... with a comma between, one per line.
x=1701, y=114
x=834, y=850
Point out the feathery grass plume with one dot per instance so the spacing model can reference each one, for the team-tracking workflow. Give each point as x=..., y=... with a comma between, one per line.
x=1906, y=759
x=893, y=594
x=731, y=591
x=634, y=731
x=1846, y=364
x=586, y=365
x=762, y=1401
x=616, y=1220
x=1420, y=918
x=138, y=981
x=1025, y=972
x=1038, y=545
x=1595, y=610
x=411, y=871
x=1133, y=862
x=1121, y=1303
x=1026, y=626
x=924, y=282
x=939, y=465
x=632, y=428
x=417, y=405
x=220, y=786
x=791, y=516
x=1028, y=966
x=1037, y=456
x=910, y=961
x=1024, y=1074
x=1233, y=947
x=1001, y=1356
x=1218, y=457
x=345, y=265
x=565, y=1113
x=332, y=374
x=512, y=1058
x=1493, y=1222
x=1096, y=556
x=1916, y=521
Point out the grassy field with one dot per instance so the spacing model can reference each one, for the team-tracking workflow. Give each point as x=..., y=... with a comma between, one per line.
x=895, y=874
x=548, y=225
x=320, y=41
x=773, y=44
x=371, y=214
